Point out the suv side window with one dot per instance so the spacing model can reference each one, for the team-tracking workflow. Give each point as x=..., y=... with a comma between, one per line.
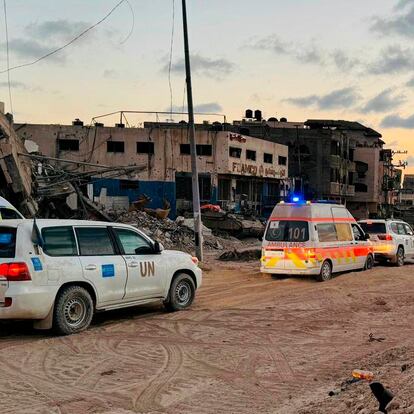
x=358, y=234
x=394, y=228
x=59, y=241
x=408, y=230
x=9, y=214
x=95, y=241
x=132, y=242
x=401, y=229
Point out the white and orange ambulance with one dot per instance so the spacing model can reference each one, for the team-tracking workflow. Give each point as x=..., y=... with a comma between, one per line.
x=316, y=239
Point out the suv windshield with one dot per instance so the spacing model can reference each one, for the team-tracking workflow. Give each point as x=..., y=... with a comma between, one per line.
x=7, y=242
x=288, y=231
x=374, y=228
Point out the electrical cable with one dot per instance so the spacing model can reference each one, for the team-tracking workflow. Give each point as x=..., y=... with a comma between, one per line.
x=132, y=24
x=8, y=56
x=66, y=44
x=171, y=56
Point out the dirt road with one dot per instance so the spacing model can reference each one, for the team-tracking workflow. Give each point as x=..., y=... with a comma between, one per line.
x=250, y=344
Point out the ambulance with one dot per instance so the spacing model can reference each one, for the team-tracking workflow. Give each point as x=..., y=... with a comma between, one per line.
x=317, y=239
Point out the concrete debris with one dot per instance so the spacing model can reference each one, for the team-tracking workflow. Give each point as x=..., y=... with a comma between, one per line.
x=189, y=222
x=172, y=234
x=241, y=255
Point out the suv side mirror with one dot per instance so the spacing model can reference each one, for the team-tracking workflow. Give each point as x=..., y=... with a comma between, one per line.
x=367, y=236
x=158, y=247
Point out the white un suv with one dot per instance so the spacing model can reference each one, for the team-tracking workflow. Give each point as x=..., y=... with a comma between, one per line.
x=59, y=272
x=393, y=240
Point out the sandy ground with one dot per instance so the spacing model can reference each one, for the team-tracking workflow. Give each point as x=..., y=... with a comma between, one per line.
x=249, y=344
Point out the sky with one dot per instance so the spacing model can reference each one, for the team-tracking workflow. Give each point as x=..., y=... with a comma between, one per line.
x=298, y=59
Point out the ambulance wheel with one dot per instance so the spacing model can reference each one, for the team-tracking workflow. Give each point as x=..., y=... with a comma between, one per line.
x=73, y=310
x=181, y=294
x=325, y=273
x=369, y=264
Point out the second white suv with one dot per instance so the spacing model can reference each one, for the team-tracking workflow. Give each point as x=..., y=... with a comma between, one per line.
x=393, y=240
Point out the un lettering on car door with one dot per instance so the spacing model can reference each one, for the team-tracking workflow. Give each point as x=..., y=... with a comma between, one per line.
x=147, y=269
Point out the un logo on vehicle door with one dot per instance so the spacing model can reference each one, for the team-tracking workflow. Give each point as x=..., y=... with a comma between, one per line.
x=147, y=269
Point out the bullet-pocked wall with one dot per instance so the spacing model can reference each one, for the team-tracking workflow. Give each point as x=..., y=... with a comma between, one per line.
x=251, y=165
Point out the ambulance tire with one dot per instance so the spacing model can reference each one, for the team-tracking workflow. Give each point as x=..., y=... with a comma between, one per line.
x=326, y=272
x=74, y=310
x=369, y=264
x=181, y=294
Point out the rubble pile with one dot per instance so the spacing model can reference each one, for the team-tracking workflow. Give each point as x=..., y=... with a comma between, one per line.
x=236, y=255
x=172, y=234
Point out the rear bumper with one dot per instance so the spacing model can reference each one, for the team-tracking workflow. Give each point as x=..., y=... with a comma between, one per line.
x=199, y=276
x=28, y=301
x=312, y=271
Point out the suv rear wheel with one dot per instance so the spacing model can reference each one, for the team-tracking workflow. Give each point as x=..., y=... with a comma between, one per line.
x=400, y=257
x=369, y=264
x=73, y=310
x=182, y=292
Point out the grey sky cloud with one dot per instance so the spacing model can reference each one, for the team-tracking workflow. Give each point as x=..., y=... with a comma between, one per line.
x=211, y=107
x=340, y=98
x=56, y=29
x=384, y=101
x=206, y=66
x=110, y=74
x=272, y=43
x=30, y=48
x=403, y=3
x=410, y=160
x=14, y=85
x=391, y=60
x=410, y=83
x=343, y=61
x=401, y=24
x=394, y=143
x=396, y=121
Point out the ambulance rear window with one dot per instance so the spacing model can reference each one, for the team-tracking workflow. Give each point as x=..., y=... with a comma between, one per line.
x=7, y=242
x=288, y=231
x=374, y=228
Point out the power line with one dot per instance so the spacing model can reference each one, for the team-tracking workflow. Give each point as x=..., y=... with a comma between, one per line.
x=171, y=56
x=8, y=56
x=53, y=52
x=132, y=24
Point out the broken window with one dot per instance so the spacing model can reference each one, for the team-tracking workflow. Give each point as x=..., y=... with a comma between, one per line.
x=361, y=188
x=268, y=158
x=282, y=160
x=145, y=148
x=224, y=189
x=235, y=152
x=202, y=149
x=115, y=146
x=251, y=155
x=68, y=144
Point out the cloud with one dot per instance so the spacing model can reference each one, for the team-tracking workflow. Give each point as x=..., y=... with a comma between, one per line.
x=394, y=143
x=343, y=61
x=340, y=98
x=56, y=29
x=272, y=43
x=396, y=121
x=211, y=107
x=216, y=68
x=110, y=74
x=29, y=48
x=410, y=83
x=14, y=85
x=384, y=101
x=401, y=24
x=391, y=60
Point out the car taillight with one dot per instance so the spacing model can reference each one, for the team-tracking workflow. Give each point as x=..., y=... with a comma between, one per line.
x=387, y=237
x=15, y=272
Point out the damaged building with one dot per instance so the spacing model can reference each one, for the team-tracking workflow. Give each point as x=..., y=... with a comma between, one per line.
x=234, y=169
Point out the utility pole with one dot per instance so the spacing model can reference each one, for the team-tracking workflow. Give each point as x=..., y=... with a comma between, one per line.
x=191, y=129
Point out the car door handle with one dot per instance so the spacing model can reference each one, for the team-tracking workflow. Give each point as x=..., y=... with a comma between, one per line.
x=91, y=267
x=133, y=264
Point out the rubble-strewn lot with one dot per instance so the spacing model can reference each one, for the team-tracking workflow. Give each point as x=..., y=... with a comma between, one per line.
x=250, y=344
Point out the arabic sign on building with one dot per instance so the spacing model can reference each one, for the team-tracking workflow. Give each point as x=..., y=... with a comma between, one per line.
x=257, y=170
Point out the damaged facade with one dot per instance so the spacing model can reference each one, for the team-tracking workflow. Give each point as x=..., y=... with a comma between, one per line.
x=233, y=168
